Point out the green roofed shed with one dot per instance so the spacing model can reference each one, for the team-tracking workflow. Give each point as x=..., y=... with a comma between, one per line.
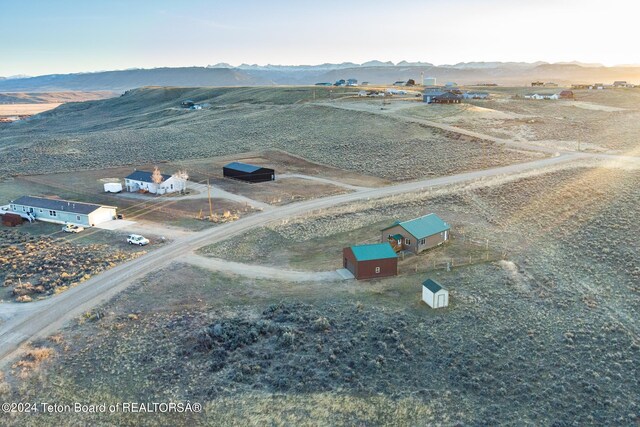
x=432, y=285
x=373, y=252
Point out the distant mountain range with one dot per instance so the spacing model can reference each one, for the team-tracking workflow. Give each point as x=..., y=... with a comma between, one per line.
x=375, y=72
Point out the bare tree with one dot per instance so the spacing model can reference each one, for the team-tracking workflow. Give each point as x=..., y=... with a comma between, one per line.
x=156, y=176
x=182, y=176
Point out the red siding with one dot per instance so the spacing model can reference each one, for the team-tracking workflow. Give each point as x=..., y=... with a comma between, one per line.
x=367, y=269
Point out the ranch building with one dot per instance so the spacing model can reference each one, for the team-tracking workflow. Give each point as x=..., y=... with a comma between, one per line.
x=418, y=234
x=142, y=181
x=248, y=173
x=434, y=294
x=62, y=211
x=371, y=261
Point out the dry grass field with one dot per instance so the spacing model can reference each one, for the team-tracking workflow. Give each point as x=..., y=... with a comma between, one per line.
x=597, y=121
x=148, y=125
x=543, y=332
x=10, y=110
x=546, y=337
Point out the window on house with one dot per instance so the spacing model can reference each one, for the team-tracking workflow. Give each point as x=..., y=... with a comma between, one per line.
x=13, y=207
x=24, y=209
x=407, y=241
x=40, y=210
x=423, y=241
x=172, y=186
x=377, y=270
x=53, y=213
x=78, y=217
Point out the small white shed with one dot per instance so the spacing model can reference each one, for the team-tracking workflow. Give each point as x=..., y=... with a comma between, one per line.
x=434, y=294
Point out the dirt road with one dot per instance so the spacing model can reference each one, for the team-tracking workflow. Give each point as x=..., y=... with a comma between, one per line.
x=260, y=271
x=50, y=315
x=322, y=180
x=506, y=142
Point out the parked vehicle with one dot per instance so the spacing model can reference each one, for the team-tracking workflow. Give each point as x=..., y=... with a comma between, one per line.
x=72, y=228
x=136, y=239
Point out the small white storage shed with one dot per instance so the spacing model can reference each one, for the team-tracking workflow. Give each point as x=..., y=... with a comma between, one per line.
x=434, y=294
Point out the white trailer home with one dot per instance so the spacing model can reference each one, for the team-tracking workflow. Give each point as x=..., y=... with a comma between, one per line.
x=62, y=211
x=142, y=180
x=434, y=294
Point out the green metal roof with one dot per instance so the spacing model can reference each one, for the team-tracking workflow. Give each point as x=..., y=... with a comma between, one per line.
x=432, y=285
x=373, y=251
x=424, y=226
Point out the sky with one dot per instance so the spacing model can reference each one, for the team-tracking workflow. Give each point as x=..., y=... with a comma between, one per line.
x=64, y=36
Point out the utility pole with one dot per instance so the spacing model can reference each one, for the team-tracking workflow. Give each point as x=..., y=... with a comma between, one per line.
x=209, y=196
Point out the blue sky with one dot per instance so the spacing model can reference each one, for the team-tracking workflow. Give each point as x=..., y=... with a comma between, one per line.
x=62, y=36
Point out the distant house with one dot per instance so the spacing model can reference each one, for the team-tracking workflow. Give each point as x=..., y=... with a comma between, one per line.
x=446, y=98
x=341, y=82
x=187, y=103
x=352, y=82
x=451, y=84
x=597, y=86
x=248, y=173
x=418, y=234
x=62, y=211
x=364, y=84
x=620, y=83
x=370, y=261
x=434, y=294
x=400, y=83
x=551, y=96
x=475, y=95
x=537, y=84
x=143, y=181
x=363, y=93
x=566, y=94
x=428, y=97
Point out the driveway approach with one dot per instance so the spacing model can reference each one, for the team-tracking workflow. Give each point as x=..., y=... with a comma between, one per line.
x=44, y=317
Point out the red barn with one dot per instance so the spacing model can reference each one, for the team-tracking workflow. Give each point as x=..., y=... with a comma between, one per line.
x=566, y=94
x=371, y=261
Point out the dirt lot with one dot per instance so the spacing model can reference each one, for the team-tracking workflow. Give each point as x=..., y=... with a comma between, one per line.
x=548, y=336
x=281, y=161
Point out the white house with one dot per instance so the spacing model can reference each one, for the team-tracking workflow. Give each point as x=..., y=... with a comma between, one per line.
x=434, y=295
x=142, y=180
x=542, y=96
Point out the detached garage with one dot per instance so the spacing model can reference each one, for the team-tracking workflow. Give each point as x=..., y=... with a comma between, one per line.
x=248, y=173
x=371, y=261
x=434, y=294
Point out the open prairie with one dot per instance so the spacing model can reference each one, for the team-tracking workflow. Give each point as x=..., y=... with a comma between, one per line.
x=542, y=267
x=547, y=335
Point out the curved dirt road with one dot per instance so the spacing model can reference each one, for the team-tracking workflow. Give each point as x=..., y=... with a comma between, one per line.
x=45, y=317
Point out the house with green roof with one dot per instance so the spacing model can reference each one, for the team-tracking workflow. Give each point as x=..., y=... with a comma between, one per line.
x=418, y=234
x=370, y=261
